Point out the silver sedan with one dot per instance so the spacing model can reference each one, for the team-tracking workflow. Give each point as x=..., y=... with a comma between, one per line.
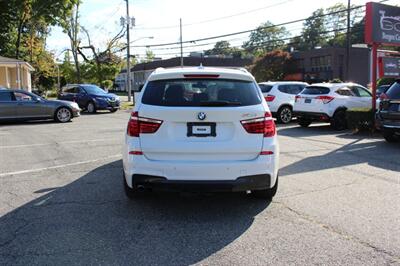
x=22, y=105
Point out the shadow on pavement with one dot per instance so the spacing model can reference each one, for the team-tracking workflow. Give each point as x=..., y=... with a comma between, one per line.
x=313, y=130
x=377, y=153
x=90, y=221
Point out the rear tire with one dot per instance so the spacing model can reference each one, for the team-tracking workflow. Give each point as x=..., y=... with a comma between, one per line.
x=338, y=121
x=303, y=122
x=268, y=193
x=390, y=136
x=284, y=115
x=91, y=108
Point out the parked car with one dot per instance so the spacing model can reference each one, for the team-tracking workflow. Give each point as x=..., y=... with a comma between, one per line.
x=388, y=115
x=280, y=96
x=22, y=105
x=328, y=102
x=222, y=138
x=381, y=89
x=90, y=97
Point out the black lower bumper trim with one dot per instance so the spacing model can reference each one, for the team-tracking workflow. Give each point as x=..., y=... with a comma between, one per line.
x=312, y=116
x=244, y=183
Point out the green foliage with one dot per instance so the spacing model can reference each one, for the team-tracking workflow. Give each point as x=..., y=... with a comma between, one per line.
x=107, y=84
x=385, y=81
x=336, y=80
x=267, y=37
x=271, y=66
x=314, y=31
x=224, y=48
x=360, y=119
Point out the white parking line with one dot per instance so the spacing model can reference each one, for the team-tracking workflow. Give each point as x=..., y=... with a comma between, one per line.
x=59, y=166
x=54, y=143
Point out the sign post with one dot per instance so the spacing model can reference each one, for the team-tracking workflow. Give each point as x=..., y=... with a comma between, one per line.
x=382, y=27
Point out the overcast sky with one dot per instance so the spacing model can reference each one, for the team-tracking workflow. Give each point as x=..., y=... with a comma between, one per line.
x=160, y=19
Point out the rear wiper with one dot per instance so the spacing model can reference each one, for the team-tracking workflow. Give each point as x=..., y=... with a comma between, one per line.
x=220, y=103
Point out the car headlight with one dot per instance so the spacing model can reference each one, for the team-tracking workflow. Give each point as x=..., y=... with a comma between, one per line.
x=100, y=98
x=75, y=106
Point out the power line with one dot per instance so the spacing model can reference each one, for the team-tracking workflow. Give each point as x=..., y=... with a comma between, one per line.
x=248, y=31
x=258, y=28
x=274, y=41
x=216, y=19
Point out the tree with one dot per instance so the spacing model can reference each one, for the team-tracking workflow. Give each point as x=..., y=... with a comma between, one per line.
x=337, y=22
x=272, y=66
x=224, y=48
x=314, y=31
x=266, y=37
x=71, y=26
x=149, y=56
x=101, y=65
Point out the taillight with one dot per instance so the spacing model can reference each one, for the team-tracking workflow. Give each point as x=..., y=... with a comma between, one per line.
x=383, y=96
x=262, y=125
x=269, y=98
x=325, y=99
x=142, y=125
x=298, y=97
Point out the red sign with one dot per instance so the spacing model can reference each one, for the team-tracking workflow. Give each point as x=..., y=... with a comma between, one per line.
x=382, y=24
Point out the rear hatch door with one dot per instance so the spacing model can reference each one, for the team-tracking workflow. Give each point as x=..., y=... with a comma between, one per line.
x=201, y=120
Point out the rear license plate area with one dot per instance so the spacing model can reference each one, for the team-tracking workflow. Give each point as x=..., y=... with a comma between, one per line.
x=307, y=100
x=201, y=129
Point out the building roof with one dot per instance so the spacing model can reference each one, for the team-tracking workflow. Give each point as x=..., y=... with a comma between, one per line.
x=7, y=60
x=192, y=61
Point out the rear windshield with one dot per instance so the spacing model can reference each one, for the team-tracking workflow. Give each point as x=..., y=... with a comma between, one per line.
x=265, y=88
x=394, y=91
x=315, y=90
x=201, y=92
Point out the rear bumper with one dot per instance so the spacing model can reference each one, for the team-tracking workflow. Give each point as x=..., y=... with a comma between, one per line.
x=244, y=183
x=391, y=124
x=312, y=116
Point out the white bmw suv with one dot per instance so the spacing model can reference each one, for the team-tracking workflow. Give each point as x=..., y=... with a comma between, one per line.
x=328, y=102
x=280, y=96
x=201, y=129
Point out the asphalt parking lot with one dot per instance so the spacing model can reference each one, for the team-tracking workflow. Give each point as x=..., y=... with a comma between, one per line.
x=62, y=202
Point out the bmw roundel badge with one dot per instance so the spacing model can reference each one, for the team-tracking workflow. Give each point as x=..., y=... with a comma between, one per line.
x=201, y=116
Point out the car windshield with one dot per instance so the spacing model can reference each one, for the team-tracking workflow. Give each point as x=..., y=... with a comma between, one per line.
x=315, y=90
x=201, y=92
x=93, y=89
x=382, y=89
x=394, y=91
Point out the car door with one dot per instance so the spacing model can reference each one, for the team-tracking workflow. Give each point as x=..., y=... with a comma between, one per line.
x=29, y=106
x=68, y=94
x=364, y=97
x=8, y=105
x=81, y=97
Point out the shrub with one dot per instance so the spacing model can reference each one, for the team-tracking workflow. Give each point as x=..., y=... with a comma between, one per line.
x=361, y=119
x=336, y=80
x=107, y=84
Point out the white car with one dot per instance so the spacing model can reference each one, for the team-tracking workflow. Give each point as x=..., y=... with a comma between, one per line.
x=280, y=96
x=201, y=129
x=328, y=102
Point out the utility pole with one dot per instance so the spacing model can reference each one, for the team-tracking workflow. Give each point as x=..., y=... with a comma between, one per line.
x=128, y=53
x=348, y=42
x=180, y=26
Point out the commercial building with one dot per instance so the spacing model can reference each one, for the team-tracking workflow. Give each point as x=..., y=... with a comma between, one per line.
x=326, y=64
